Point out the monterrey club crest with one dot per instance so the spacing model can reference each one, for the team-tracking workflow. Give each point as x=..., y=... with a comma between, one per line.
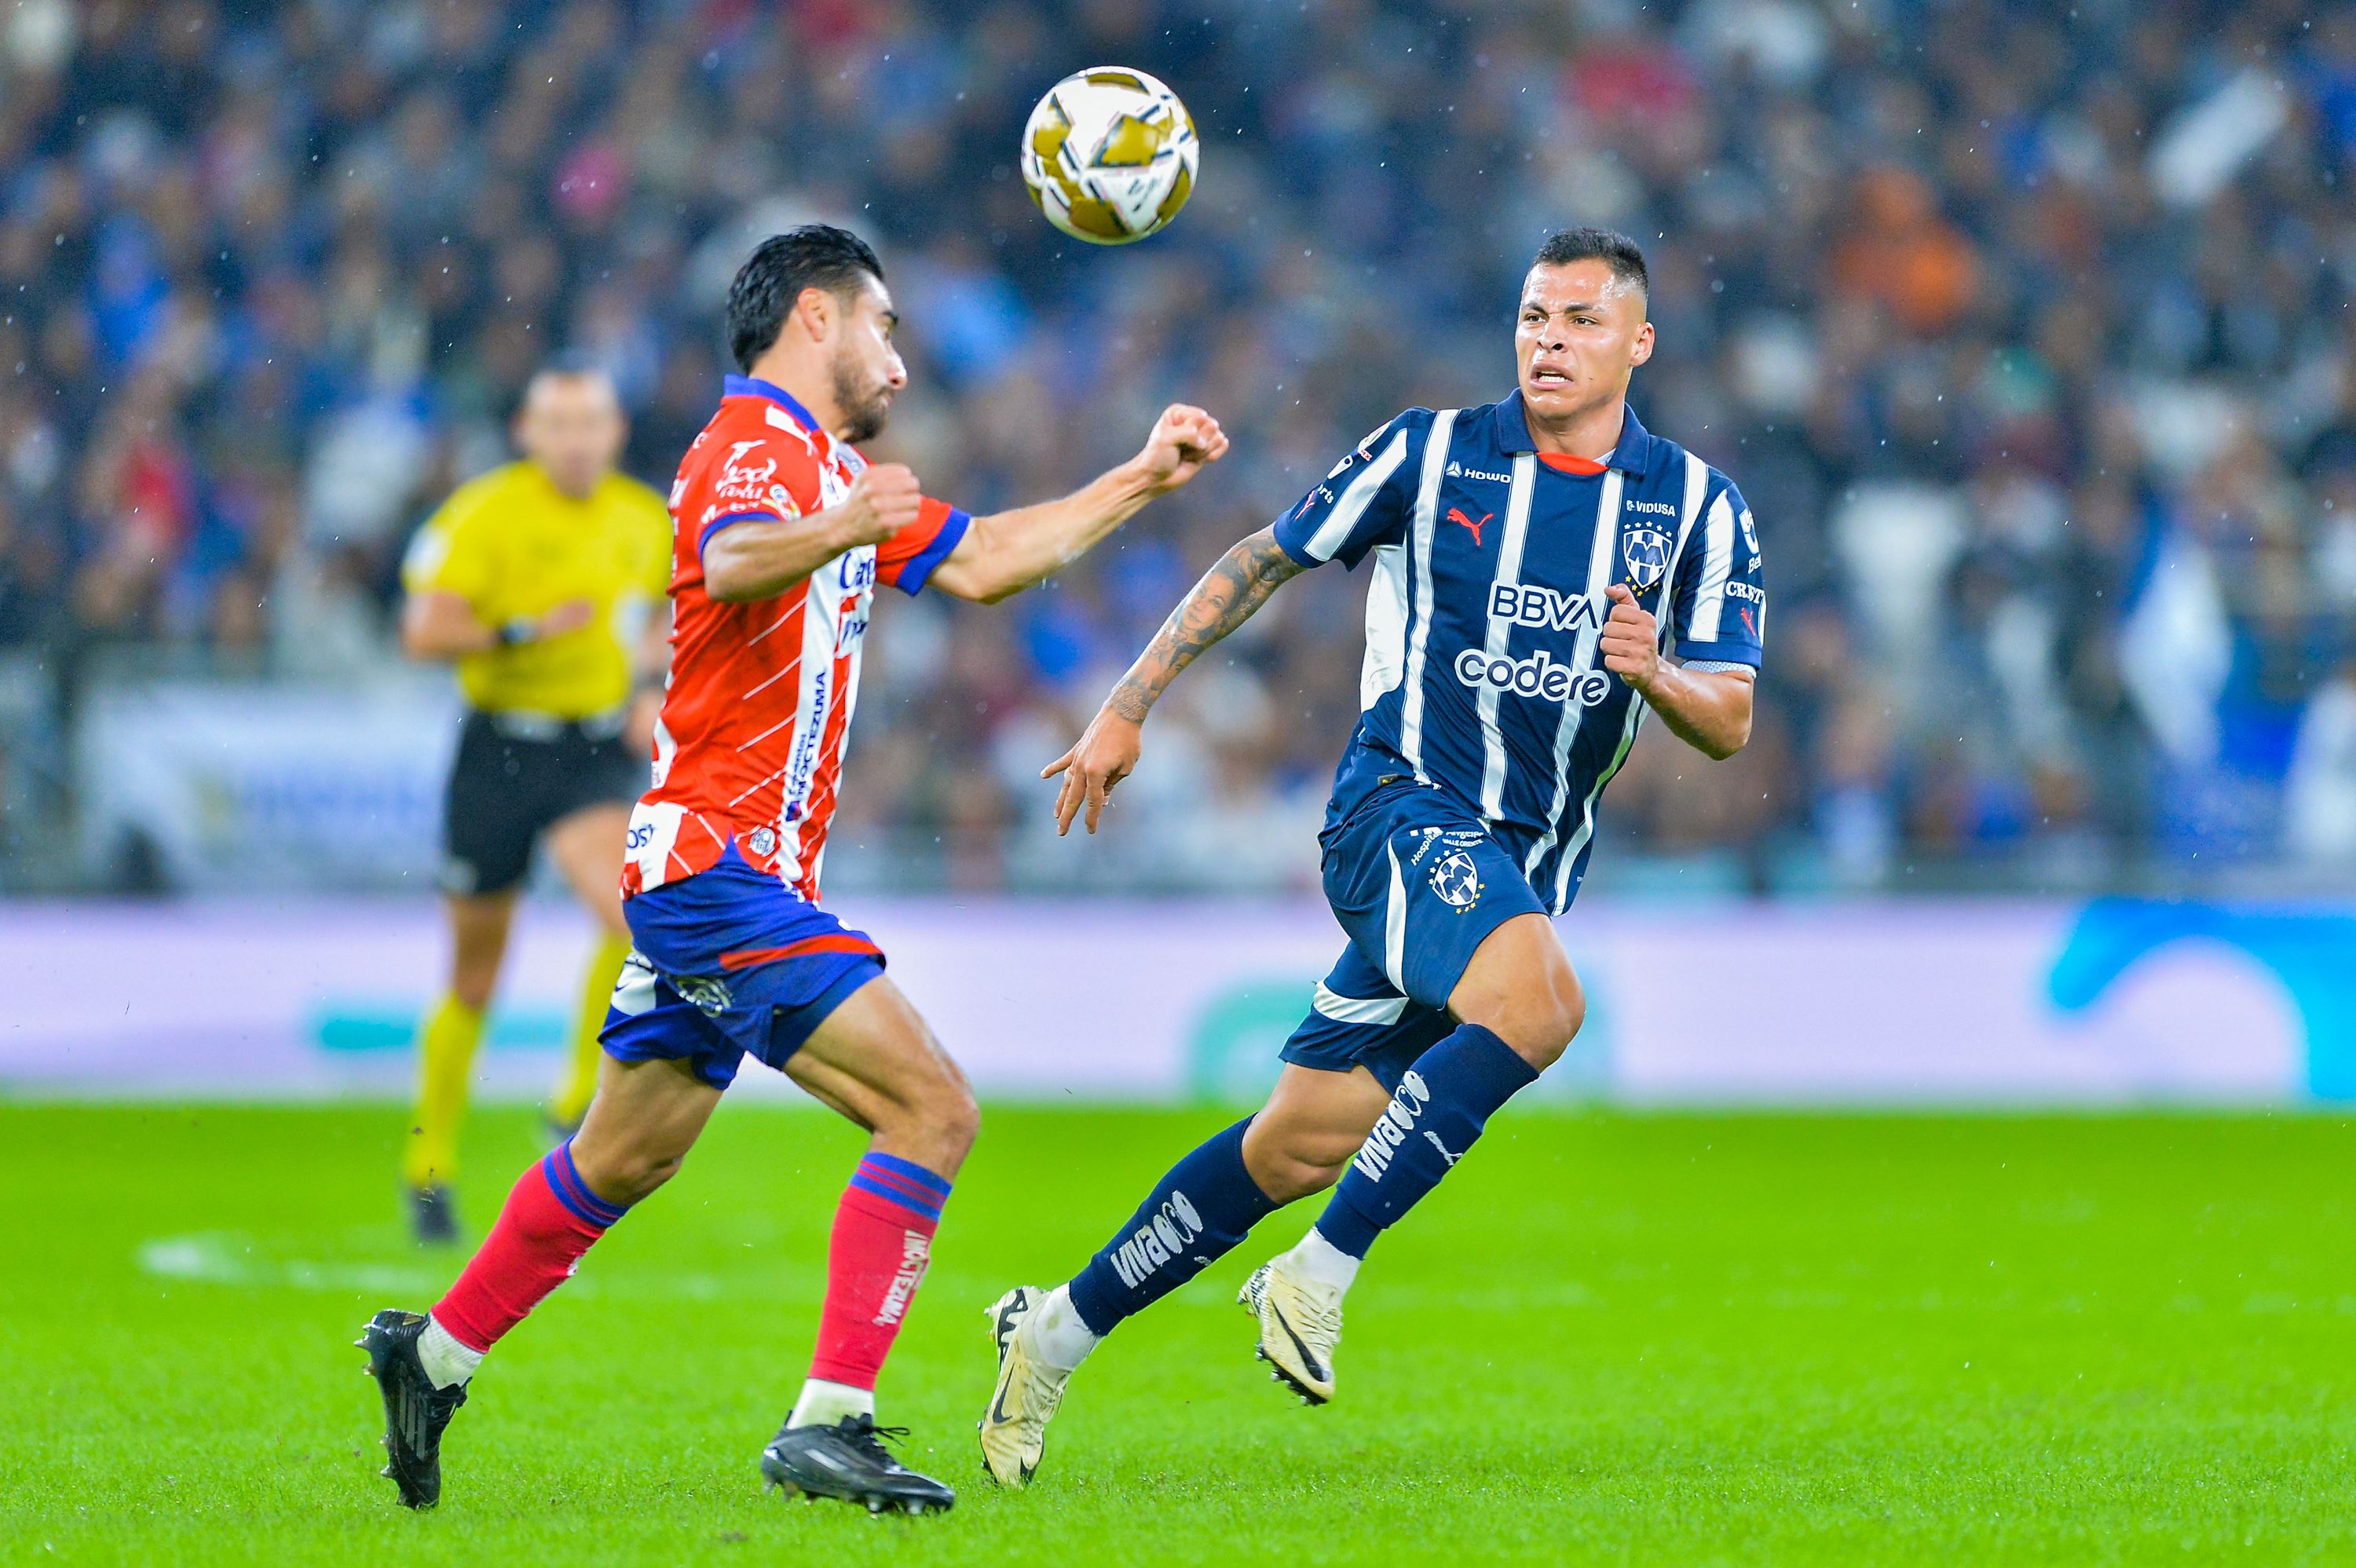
x=1457, y=880
x=1645, y=553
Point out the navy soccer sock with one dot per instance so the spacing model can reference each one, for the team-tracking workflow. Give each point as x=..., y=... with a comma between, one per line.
x=1196, y=1213
x=1444, y=1102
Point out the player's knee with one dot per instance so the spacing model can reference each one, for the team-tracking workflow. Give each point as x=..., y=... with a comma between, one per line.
x=1553, y=1014
x=936, y=1123
x=957, y=1120
x=1540, y=1017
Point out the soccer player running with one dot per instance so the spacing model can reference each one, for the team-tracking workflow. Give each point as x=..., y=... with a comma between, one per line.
x=543, y=581
x=1538, y=563
x=783, y=532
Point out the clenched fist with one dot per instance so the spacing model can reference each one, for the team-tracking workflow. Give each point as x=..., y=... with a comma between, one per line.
x=882, y=501
x=1184, y=438
x=1631, y=643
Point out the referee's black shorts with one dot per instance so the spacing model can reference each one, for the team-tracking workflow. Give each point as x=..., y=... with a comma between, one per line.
x=514, y=776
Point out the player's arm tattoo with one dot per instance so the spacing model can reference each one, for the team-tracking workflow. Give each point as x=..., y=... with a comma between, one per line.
x=1226, y=598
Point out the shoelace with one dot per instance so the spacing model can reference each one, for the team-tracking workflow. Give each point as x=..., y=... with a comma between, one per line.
x=1325, y=1323
x=868, y=1439
x=1313, y=1316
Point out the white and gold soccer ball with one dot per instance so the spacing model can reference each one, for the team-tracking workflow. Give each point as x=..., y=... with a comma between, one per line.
x=1109, y=155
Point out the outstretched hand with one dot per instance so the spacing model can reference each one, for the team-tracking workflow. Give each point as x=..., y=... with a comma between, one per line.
x=1184, y=438
x=1107, y=752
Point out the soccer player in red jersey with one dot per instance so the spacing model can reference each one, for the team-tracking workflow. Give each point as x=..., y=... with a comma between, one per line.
x=782, y=531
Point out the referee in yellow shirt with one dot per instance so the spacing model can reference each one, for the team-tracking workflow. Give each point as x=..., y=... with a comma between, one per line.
x=545, y=581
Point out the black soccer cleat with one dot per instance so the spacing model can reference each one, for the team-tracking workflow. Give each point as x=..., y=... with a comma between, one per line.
x=415, y=1411
x=433, y=1215
x=848, y=1460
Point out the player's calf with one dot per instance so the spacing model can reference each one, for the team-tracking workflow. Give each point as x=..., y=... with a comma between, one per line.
x=1199, y=1211
x=1519, y=1006
x=874, y=1061
x=1442, y=1105
x=1313, y=1123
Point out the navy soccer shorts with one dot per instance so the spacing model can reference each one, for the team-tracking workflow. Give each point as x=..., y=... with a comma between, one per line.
x=1417, y=882
x=729, y=961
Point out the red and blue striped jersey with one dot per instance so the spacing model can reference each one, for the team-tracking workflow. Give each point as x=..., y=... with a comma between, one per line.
x=758, y=707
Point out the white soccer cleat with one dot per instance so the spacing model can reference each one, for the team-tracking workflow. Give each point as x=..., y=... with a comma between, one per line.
x=1014, y=1425
x=1300, y=1325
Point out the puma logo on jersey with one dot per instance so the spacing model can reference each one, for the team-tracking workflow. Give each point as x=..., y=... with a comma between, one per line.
x=1460, y=520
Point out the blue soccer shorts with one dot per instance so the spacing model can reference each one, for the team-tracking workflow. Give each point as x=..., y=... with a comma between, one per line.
x=726, y=962
x=1417, y=882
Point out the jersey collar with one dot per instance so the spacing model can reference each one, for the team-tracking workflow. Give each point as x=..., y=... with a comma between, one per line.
x=1630, y=457
x=753, y=387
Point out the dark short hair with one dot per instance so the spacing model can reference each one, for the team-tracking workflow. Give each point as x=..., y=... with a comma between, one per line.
x=815, y=256
x=1609, y=246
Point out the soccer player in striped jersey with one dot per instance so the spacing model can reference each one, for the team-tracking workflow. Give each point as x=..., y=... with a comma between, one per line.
x=1545, y=572
x=782, y=532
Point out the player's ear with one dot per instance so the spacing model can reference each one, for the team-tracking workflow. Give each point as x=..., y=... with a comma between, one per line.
x=1643, y=347
x=818, y=309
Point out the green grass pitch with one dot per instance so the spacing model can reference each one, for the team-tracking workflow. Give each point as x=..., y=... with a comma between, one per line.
x=1610, y=1337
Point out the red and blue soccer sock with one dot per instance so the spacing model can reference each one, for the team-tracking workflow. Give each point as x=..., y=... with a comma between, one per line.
x=1440, y=1106
x=1206, y=1206
x=881, y=1244
x=550, y=1219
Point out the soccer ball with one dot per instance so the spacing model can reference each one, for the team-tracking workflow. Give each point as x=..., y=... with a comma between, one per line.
x=1109, y=155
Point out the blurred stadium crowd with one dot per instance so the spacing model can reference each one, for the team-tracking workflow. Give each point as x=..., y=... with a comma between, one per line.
x=2026, y=331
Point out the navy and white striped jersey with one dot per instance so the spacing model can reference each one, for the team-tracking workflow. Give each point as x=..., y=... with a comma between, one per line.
x=1482, y=674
